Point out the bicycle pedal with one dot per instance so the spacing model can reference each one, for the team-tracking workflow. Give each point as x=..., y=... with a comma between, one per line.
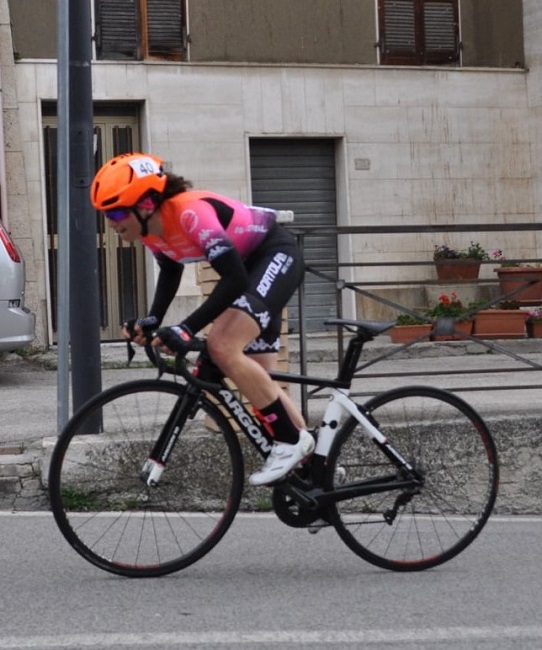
x=317, y=525
x=339, y=476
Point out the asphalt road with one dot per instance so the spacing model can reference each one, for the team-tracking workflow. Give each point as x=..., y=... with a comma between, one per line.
x=267, y=586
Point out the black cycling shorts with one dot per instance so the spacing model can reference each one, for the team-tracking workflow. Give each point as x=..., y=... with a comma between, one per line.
x=275, y=270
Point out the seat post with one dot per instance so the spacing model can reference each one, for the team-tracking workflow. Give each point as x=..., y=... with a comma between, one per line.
x=351, y=357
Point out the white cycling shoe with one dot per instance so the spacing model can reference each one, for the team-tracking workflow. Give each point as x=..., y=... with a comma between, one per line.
x=283, y=458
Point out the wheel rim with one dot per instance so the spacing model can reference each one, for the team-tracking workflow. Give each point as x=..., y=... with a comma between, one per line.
x=452, y=449
x=108, y=512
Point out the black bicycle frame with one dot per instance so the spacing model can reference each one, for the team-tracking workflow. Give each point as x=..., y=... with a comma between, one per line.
x=207, y=377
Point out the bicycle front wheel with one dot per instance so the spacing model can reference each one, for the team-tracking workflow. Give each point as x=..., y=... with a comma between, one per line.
x=103, y=505
x=448, y=443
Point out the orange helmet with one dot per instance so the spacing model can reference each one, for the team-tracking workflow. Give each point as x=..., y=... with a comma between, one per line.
x=124, y=179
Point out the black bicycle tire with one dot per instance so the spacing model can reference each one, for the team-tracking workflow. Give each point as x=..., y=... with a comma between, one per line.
x=474, y=527
x=105, y=399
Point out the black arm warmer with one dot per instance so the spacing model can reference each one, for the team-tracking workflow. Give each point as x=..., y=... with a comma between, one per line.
x=233, y=281
x=168, y=282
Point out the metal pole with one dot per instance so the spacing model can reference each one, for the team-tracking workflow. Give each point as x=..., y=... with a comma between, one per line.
x=84, y=282
x=302, y=334
x=63, y=211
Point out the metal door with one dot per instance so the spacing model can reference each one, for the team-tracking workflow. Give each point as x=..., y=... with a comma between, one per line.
x=299, y=174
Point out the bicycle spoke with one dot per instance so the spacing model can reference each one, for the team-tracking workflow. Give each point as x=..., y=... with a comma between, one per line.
x=450, y=447
x=105, y=508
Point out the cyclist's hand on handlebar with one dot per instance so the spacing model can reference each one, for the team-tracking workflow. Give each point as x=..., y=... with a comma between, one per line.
x=173, y=340
x=140, y=330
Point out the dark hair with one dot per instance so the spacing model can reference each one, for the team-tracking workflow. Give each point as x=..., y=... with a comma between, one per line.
x=175, y=185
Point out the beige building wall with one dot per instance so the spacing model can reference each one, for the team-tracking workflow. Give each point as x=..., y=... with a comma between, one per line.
x=417, y=145
x=533, y=52
x=22, y=194
x=295, y=31
x=442, y=146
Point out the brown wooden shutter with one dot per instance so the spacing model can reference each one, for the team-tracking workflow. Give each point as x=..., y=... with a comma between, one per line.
x=116, y=29
x=418, y=32
x=165, y=29
x=441, y=31
x=399, y=30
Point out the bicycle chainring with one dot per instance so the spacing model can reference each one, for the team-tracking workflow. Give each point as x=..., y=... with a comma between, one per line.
x=290, y=512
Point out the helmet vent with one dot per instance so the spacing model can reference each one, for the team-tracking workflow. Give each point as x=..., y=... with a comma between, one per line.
x=112, y=200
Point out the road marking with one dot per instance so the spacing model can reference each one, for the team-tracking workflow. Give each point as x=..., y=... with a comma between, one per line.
x=300, y=637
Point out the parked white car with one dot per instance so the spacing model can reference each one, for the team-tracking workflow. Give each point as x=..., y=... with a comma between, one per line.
x=17, y=323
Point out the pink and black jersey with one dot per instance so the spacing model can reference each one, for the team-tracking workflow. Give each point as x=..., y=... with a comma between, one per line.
x=202, y=225
x=258, y=262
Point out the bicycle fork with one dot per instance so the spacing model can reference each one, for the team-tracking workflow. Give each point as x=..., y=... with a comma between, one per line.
x=154, y=466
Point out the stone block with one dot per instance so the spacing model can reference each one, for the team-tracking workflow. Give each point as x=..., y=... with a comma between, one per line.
x=9, y=485
x=368, y=308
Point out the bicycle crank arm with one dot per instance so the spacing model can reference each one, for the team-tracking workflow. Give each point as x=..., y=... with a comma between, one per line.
x=304, y=499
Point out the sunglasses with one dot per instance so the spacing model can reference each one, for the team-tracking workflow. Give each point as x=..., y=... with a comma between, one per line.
x=117, y=215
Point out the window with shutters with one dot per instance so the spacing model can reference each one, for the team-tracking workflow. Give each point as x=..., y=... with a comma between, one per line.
x=140, y=29
x=418, y=32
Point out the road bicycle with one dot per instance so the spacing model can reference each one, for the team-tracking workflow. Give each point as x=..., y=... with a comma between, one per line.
x=147, y=477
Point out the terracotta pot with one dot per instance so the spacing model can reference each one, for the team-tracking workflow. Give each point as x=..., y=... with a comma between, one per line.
x=408, y=333
x=515, y=277
x=500, y=323
x=462, y=270
x=465, y=326
x=534, y=330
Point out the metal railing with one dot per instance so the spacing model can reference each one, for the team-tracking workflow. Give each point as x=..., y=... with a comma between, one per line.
x=331, y=272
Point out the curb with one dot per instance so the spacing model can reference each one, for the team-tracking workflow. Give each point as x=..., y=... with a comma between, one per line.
x=319, y=348
x=517, y=439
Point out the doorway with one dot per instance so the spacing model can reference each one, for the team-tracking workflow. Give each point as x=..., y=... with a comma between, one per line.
x=121, y=265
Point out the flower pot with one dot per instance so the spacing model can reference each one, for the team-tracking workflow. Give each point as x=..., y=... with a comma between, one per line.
x=468, y=292
x=458, y=270
x=517, y=277
x=500, y=324
x=534, y=329
x=408, y=333
x=465, y=326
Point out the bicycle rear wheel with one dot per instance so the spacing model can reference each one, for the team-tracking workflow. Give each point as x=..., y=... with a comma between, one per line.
x=445, y=440
x=109, y=514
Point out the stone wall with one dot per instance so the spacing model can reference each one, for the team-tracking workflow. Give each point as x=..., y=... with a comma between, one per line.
x=23, y=472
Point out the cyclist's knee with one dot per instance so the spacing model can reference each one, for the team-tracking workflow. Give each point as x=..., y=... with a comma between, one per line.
x=227, y=340
x=222, y=351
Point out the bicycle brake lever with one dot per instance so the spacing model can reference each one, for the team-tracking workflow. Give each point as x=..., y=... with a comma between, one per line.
x=130, y=352
x=158, y=359
x=192, y=377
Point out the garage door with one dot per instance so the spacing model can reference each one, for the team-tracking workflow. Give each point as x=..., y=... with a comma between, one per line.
x=299, y=174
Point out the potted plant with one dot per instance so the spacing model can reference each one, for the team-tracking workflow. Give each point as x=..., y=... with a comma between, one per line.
x=459, y=265
x=506, y=321
x=525, y=280
x=448, y=312
x=408, y=328
x=534, y=323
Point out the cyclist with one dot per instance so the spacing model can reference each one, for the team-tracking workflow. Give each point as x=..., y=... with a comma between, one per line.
x=260, y=267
